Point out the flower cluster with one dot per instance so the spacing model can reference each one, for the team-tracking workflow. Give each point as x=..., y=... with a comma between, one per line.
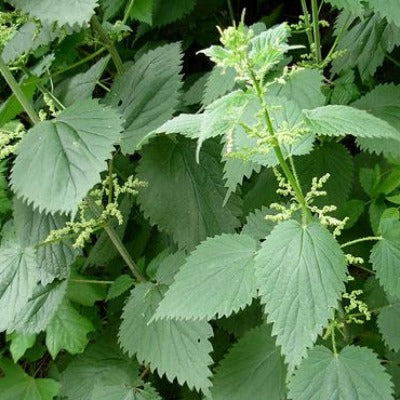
x=10, y=135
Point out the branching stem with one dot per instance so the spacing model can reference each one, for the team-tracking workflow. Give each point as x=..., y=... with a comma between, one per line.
x=360, y=240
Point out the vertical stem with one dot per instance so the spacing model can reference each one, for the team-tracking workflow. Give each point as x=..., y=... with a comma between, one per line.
x=307, y=23
x=317, y=40
x=19, y=94
x=109, y=44
x=231, y=13
x=127, y=11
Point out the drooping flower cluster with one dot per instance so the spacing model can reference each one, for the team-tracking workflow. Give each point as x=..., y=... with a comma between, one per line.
x=10, y=135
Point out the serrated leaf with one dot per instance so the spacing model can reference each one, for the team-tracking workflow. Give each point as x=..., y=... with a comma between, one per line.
x=185, y=345
x=147, y=93
x=388, y=9
x=385, y=257
x=165, y=13
x=185, y=198
x=42, y=305
x=364, y=43
x=200, y=290
x=32, y=228
x=336, y=120
x=68, y=154
x=142, y=10
x=168, y=266
x=124, y=392
x=81, y=86
x=19, y=275
x=68, y=330
x=300, y=272
x=257, y=226
x=20, y=343
x=332, y=158
x=355, y=373
x=101, y=364
x=218, y=84
x=119, y=286
x=389, y=324
x=63, y=12
x=186, y=124
x=383, y=102
x=353, y=6
x=18, y=385
x=252, y=369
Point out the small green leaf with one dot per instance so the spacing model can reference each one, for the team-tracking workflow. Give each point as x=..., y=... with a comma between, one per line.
x=385, y=257
x=216, y=280
x=68, y=154
x=185, y=346
x=389, y=324
x=120, y=286
x=300, y=272
x=20, y=343
x=355, y=373
x=68, y=331
x=252, y=369
x=18, y=385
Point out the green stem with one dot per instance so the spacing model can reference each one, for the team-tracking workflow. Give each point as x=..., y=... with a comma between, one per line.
x=307, y=23
x=112, y=234
x=317, y=39
x=231, y=13
x=393, y=60
x=127, y=11
x=278, y=152
x=92, y=281
x=19, y=94
x=109, y=44
x=364, y=239
x=333, y=337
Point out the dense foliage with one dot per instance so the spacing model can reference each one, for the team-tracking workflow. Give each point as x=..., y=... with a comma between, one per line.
x=200, y=200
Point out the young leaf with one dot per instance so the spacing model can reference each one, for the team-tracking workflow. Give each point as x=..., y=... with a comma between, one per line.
x=389, y=324
x=185, y=198
x=102, y=364
x=253, y=369
x=200, y=290
x=68, y=154
x=300, y=272
x=185, y=346
x=385, y=256
x=147, y=93
x=63, y=12
x=18, y=385
x=32, y=228
x=355, y=373
x=19, y=275
x=336, y=120
x=68, y=331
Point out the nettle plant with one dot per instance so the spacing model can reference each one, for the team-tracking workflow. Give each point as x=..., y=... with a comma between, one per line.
x=237, y=237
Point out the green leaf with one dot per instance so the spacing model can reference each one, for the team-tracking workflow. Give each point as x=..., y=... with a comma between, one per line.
x=81, y=86
x=120, y=286
x=147, y=93
x=124, y=392
x=142, y=10
x=383, y=102
x=85, y=293
x=102, y=364
x=252, y=369
x=185, y=346
x=186, y=124
x=68, y=331
x=364, y=43
x=185, y=198
x=167, y=267
x=32, y=228
x=336, y=120
x=19, y=275
x=20, y=343
x=18, y=385
x=200, y=289
x=332, y=158
x=257, y=226
x=165, y=13
x=385, y=257
x=63, y=12
x=388, y=9
x=300, y=272
x=219, y=83
x=40, y=309
x=389, y=324
x=353, y=6
x=68, y=154
x=355, y=373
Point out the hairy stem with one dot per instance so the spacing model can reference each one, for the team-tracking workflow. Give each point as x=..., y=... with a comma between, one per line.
x=91, y=281
x=317, y=39
x=364, y=239
x=19, y=94
x=307, y=23
x=109, y=44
